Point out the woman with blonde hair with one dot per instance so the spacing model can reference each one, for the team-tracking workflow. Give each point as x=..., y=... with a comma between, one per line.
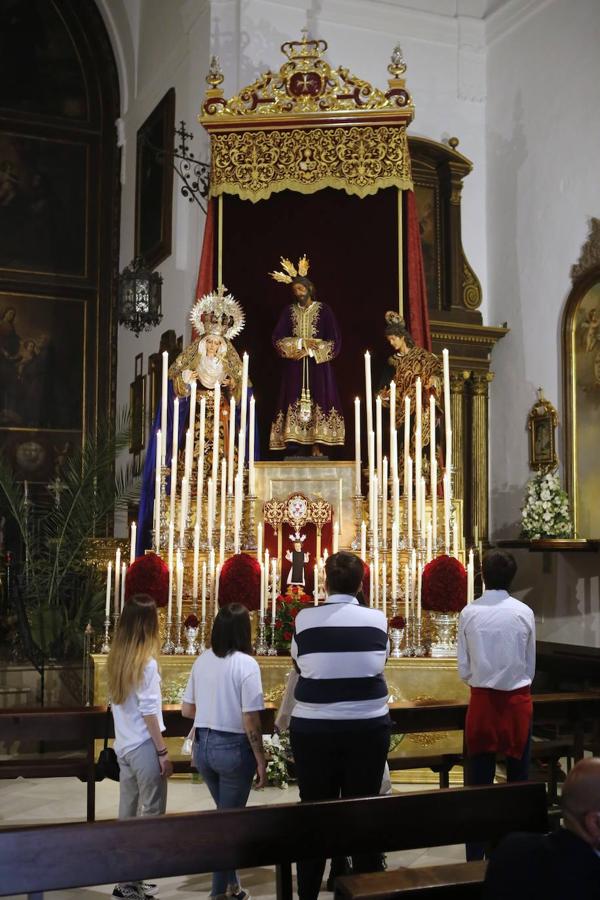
x=134, y=690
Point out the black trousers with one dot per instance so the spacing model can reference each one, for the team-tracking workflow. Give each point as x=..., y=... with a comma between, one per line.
x=335, y=764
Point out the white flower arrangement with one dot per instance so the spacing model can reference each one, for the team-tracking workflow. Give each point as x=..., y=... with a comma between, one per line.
x=279, y=755
x=546, y=509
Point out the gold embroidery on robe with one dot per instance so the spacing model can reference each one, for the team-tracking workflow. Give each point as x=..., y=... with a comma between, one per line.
x=321, y=427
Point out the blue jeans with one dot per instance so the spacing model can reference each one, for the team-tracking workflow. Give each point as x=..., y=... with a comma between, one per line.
x=226, y=762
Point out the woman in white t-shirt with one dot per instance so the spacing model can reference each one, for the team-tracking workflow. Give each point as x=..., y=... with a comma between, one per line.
x=224, y=698
x=134, y=689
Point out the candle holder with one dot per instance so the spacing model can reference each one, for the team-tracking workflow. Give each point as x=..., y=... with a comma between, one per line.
x=179, y=650
x=417, y=646
x=249, y=542
x=106, y=642
x=202, y=642
x=272, y=651
x=396, y=635
x=191, y=633
x=229, y=524
x=168, y=648
x=357, y=500
x=262, y=647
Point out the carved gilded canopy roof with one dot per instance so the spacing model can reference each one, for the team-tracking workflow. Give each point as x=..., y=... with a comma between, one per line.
x=308, y=127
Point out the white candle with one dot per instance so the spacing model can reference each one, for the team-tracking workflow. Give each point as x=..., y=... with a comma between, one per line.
x=223, y=491
x=432, y=457
x=163, y=402
x=266, y=584
x=376, y=575
x=215, y=449
x=470, y=578
x=209, y=513
x=368, y=392
x=108, y=589
x=447, y=408
x=396, y=488
x=241, y=451
x=262, y=589
x=182, y=511
x=375, y=516
x=446, y=483
x=132, y=541
x=251, y=469
x=394, y=560
x=384, y=501
x=434, y=527
x=392, y=421
x=217, y=580
x=409, y=505
x=316, y=585
x=379, y=441
x=204, y=591
x=157, y=483
x=179, y=584
x=394, y=457
x=273, y=589
x=384, y=589
x=406, y=441
x=419, y=587
x=244, y=404
x=335, y=537
x=123, y=575
x=363, y=540
x=192, y=418
x=117, y=580
x=357, y=446
x=406, y=591
x=237, y=512
x=170, y=565
x=418, y=452
x=259, y=540
x=189, y=454
x=231, y=447
x=200, y=473
x=196, y=563
x=175, y=449
x=371, y=446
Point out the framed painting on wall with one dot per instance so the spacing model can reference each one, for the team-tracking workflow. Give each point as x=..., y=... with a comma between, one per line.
x=154, y=182
x=581, y=340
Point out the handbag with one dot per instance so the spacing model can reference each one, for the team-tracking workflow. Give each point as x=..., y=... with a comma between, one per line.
x=108, y=763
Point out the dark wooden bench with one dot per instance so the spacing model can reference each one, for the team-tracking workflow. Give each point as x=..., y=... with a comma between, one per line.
x=83, y=854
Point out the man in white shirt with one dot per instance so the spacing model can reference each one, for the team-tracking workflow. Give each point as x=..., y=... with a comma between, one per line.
x=496, y=658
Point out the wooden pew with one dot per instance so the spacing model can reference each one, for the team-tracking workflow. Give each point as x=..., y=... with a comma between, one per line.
x=78, y=855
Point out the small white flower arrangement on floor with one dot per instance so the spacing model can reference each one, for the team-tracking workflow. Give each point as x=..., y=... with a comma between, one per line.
x=546, y=510
x=279, y=756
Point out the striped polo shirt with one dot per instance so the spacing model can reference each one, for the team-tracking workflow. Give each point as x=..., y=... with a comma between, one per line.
x=340, y=649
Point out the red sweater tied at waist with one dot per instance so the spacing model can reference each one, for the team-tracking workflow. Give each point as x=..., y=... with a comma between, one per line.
x=498, y=721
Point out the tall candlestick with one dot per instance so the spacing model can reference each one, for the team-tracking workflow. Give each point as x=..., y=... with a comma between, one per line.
x=392, y=421
x=368, y=392
x=434, y=526
x=251, y=469
x=215, y=449
x=182, y=511
x=132, y=541
x=432, y=457
x=273, y=589
x=363, y=540
x=157, y=490
x=196, y=563
x=394, y=458
x=117, y=595
x=396, y=488
x=108, y=589
x=262, y=589
x=357, y=446
x=409, y=504
x=406, y=441
x=394, y=560
x=244, y=402
x=231, y=447
x=259, y=539
x=406, y=591
x=237, y=512
x=203, y=607
x=418, y=452
x=170, y=565
x=192, y=419
x=470, y=577
x=175, y=448
x=200, y=474
x=375, y=509
x=163, y=403
x=447, y=409
x=223, y=490
x=209, y=512
x=371, y=446
x=447, y=501
x=266, y=584
x=179, y=584
x=379, y=439
x=384, y=501
x=123, y=576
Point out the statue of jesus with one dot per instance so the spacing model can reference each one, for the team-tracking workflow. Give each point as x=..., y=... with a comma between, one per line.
x=308, y=339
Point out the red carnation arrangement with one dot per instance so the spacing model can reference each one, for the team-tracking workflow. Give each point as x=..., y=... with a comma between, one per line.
x=240, y=581
x=149, y=574
x=191, y=621
x=287, y=608
x=398, y=622
x=444, y=586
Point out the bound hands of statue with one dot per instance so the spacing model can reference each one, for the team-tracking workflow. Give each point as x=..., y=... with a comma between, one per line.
x=227, y=382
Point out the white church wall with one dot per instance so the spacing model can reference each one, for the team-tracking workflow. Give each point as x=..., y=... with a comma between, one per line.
x=543, y=135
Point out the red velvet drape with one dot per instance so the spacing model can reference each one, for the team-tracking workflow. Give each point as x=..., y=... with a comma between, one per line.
x=416, y=314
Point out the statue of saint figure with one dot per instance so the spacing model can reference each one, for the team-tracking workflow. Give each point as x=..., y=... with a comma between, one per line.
x=408, y=363
x=298, y=559
x=307, y=338
x=210, y=359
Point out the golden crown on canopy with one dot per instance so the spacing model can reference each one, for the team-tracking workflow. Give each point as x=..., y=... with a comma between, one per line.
x=291, y=271
x=218, y=313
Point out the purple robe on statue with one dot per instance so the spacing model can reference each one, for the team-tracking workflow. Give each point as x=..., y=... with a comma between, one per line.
x=319, y=419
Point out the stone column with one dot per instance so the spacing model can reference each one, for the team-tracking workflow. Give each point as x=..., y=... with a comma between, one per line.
x=457, y=406
x=479, y=383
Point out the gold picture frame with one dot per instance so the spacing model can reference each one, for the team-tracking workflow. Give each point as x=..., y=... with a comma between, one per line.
x=542, y=422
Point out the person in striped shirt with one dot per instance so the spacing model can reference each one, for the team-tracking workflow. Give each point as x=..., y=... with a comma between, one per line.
x=339, y=729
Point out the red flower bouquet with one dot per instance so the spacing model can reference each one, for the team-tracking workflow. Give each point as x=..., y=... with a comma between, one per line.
x=444, y=585
x=148, y=575
x=398, y=622
x=287, y=608
x=240, y=581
